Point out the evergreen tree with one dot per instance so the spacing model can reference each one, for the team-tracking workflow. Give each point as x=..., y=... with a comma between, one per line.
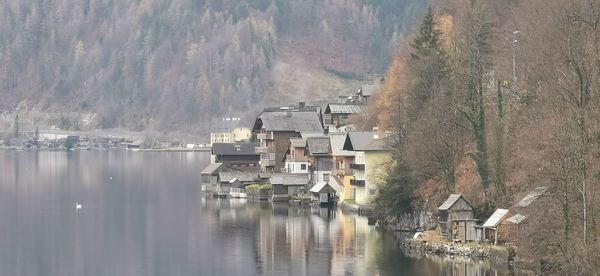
x=428, y=39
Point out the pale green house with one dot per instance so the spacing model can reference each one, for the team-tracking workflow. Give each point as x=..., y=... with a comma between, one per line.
x=371, y=163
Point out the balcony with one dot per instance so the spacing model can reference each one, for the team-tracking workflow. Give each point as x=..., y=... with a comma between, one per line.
x=357, y=182
x=267, y=163
x=343, y=172
x=265, y=136
x=357, y=166
x=267, y=159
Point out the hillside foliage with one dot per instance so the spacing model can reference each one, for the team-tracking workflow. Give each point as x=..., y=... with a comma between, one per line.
x=172, y=64
x=469, y=122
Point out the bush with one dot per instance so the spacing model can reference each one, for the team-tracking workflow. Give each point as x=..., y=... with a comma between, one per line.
x=253, y=187
x=265, y=187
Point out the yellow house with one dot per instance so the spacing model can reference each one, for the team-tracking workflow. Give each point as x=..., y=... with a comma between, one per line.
x=371, y=163
x=240, y=134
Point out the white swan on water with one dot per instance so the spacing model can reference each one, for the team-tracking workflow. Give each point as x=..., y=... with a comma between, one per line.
x=78, y=206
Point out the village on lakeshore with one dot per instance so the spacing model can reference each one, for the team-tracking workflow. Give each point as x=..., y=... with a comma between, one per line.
x=309, y=155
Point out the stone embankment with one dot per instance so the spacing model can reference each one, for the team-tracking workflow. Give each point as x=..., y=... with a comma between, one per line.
x=444, y=248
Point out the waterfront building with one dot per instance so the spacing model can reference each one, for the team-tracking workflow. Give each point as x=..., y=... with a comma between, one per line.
x=275, y=126
x=371, y=163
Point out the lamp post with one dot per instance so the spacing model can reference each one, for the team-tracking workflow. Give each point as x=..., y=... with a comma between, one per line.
x=514, y=49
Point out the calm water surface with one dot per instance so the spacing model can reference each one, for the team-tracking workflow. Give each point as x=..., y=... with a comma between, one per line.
x=143, y=214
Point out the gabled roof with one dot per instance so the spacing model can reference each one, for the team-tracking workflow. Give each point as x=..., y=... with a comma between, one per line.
x=321, y=185
x=233, y=149
x=298, y=142
x=317, y=145
x=367, y=141
x=531, y=197
x=297, y=121
x=495, y=218
x=453, y=198
x=336, y=142
x=337, y=108
x=242, y=176
x=289, y=179
x=211, y=168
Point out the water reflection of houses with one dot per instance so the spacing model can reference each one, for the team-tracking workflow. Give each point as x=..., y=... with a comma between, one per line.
x=317, y=241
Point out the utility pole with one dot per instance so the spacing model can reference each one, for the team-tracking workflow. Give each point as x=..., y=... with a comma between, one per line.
x=514, y=50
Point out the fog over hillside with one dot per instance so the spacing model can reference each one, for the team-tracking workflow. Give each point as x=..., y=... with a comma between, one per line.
x=181, y=64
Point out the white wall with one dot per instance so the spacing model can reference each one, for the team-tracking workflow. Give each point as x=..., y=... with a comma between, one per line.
x=296, y=167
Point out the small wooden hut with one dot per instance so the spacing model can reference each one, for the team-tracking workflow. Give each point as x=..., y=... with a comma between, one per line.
x=325, y=192
x=495, y=227
x=455, y=218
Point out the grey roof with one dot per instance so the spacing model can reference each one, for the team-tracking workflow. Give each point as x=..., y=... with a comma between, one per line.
x=367, y=141
x=318, y=145
x=241, y=176
x=298, y=121
x=368, y=89
x=336, y=140
x=211, y=168
x=334, y=108
x=321, y=185
x=517, y=219
x=233, y=149
x=289, y=179
x=449, y=202
x=531, y=197
x=495, y=218
x=298, y=142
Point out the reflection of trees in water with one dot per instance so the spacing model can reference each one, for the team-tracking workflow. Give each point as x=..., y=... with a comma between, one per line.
x=289, y=240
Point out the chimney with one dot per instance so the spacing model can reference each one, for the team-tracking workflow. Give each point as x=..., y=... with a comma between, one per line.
x=301, y=105
x=376, y=132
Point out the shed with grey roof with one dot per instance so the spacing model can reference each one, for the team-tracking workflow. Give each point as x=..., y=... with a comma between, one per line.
x=494, y=229
x=456, y=218
x=209, y=177
x=285, y=184
x=233, y=179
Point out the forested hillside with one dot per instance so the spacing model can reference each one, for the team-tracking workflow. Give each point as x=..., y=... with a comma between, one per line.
x=492, y=99
x=177, y=64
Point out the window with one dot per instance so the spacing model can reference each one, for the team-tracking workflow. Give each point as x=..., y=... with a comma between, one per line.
x=344, y=116
x=326, y=177
x=303, y=167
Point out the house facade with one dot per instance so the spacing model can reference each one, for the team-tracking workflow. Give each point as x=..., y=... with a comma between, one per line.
x=241, y=157
x=274, y=128
x=320, y=160
x=296, y=160
x=338, y=114
x=371, y=162
x=341, y=170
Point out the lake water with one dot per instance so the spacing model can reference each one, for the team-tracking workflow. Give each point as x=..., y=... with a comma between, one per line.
x=143, y=214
